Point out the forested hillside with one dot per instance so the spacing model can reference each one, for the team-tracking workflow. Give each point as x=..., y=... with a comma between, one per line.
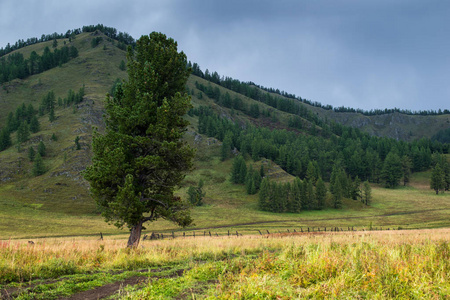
x=271, y=150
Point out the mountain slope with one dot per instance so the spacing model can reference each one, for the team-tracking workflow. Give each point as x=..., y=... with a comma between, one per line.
x=58, y=202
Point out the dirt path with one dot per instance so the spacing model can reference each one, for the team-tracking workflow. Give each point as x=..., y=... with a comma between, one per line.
x=112, y=288
x=98, y=292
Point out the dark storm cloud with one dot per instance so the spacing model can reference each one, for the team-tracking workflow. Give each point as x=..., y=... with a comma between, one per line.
x=366, y=54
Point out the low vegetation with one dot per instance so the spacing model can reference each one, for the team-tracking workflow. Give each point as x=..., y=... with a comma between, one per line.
x=369, y=264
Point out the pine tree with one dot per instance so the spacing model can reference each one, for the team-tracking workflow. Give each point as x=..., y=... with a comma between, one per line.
x=321, y=193
x=141, y=158
x=42, y=150
x=311, y=196
x=77, y=143
x=34, y=124
x=51, y=115
x=337, y=195
x=263, y=196
x=23, y=133
x=238, y=170
x=5, y=139
x=437, y=179
x=406, y=169
x=38, y=166
x=366, y=193
x=226, y=146
x=392, y=170
x=31, y=153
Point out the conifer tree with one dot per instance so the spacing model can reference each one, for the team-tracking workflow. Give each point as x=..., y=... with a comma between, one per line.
x=42, y=150
x=437, y=179
x=238, y=170
x=141, y=158
x=392, y=170
x=38, y=166
x=366, y=197
x=296, y=206
x=23, y=133
x=34, y=124
x=31, y=153
x=263, y=197
x=5, y=139
x=321, y=193
x=406, y=169
x=337, y=195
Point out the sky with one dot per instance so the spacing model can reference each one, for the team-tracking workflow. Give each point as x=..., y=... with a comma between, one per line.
x=370, y=54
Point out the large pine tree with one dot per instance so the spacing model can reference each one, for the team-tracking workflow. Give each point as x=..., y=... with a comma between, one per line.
x=141, y=159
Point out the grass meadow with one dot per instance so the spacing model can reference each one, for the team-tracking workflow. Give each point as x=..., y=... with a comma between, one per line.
x=406, y=264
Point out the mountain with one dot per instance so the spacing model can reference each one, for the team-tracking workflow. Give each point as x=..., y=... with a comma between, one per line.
x=61, y=193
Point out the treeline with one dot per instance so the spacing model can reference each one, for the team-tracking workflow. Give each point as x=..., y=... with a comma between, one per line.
x=121, y=37
x=440, y=174
x=16, y=66
x=369, y=158
x=252, y=90
x=110, y=32
x=286, y=105
x=442, y=136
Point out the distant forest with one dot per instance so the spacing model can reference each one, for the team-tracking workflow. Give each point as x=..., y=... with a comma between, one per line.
x=121, y=37
x=250, y=89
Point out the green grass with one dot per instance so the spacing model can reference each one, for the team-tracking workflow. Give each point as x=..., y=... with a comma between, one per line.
x=58, y=202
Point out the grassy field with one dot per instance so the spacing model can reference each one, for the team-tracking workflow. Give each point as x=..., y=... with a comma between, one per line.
x=370, y=264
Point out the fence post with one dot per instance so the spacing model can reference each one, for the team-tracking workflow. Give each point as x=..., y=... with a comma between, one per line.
x=258, y=230
x=308, y=229
x=101, y=236
x=209, y=233
x=237, y=234
x=267, y=231
x=193, y=233
x=173, y=235
x=294, y=230
x=228, y=232
x=184, y=234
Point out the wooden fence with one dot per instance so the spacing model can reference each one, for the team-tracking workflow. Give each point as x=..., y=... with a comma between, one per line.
x=261, y=232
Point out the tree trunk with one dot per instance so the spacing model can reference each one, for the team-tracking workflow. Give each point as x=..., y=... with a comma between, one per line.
x=135, y=235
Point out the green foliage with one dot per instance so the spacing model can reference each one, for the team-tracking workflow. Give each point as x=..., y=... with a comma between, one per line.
x=437, y=179
x=42, y=150
x=34, y=124
x=196, y=194
x=23, y=133
x=38, y=166
x=31, y=153
x=392, y=170
x=238, y=170
x=77, y=143
x=95, y=41
x=252, y=181
x=321, y=193
x=366, y=196
x=122, y=65
x=141, y=158
x=5, y=139
x=227, y=144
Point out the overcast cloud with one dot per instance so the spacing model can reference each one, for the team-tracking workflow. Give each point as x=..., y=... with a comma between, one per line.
x=361, y=54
